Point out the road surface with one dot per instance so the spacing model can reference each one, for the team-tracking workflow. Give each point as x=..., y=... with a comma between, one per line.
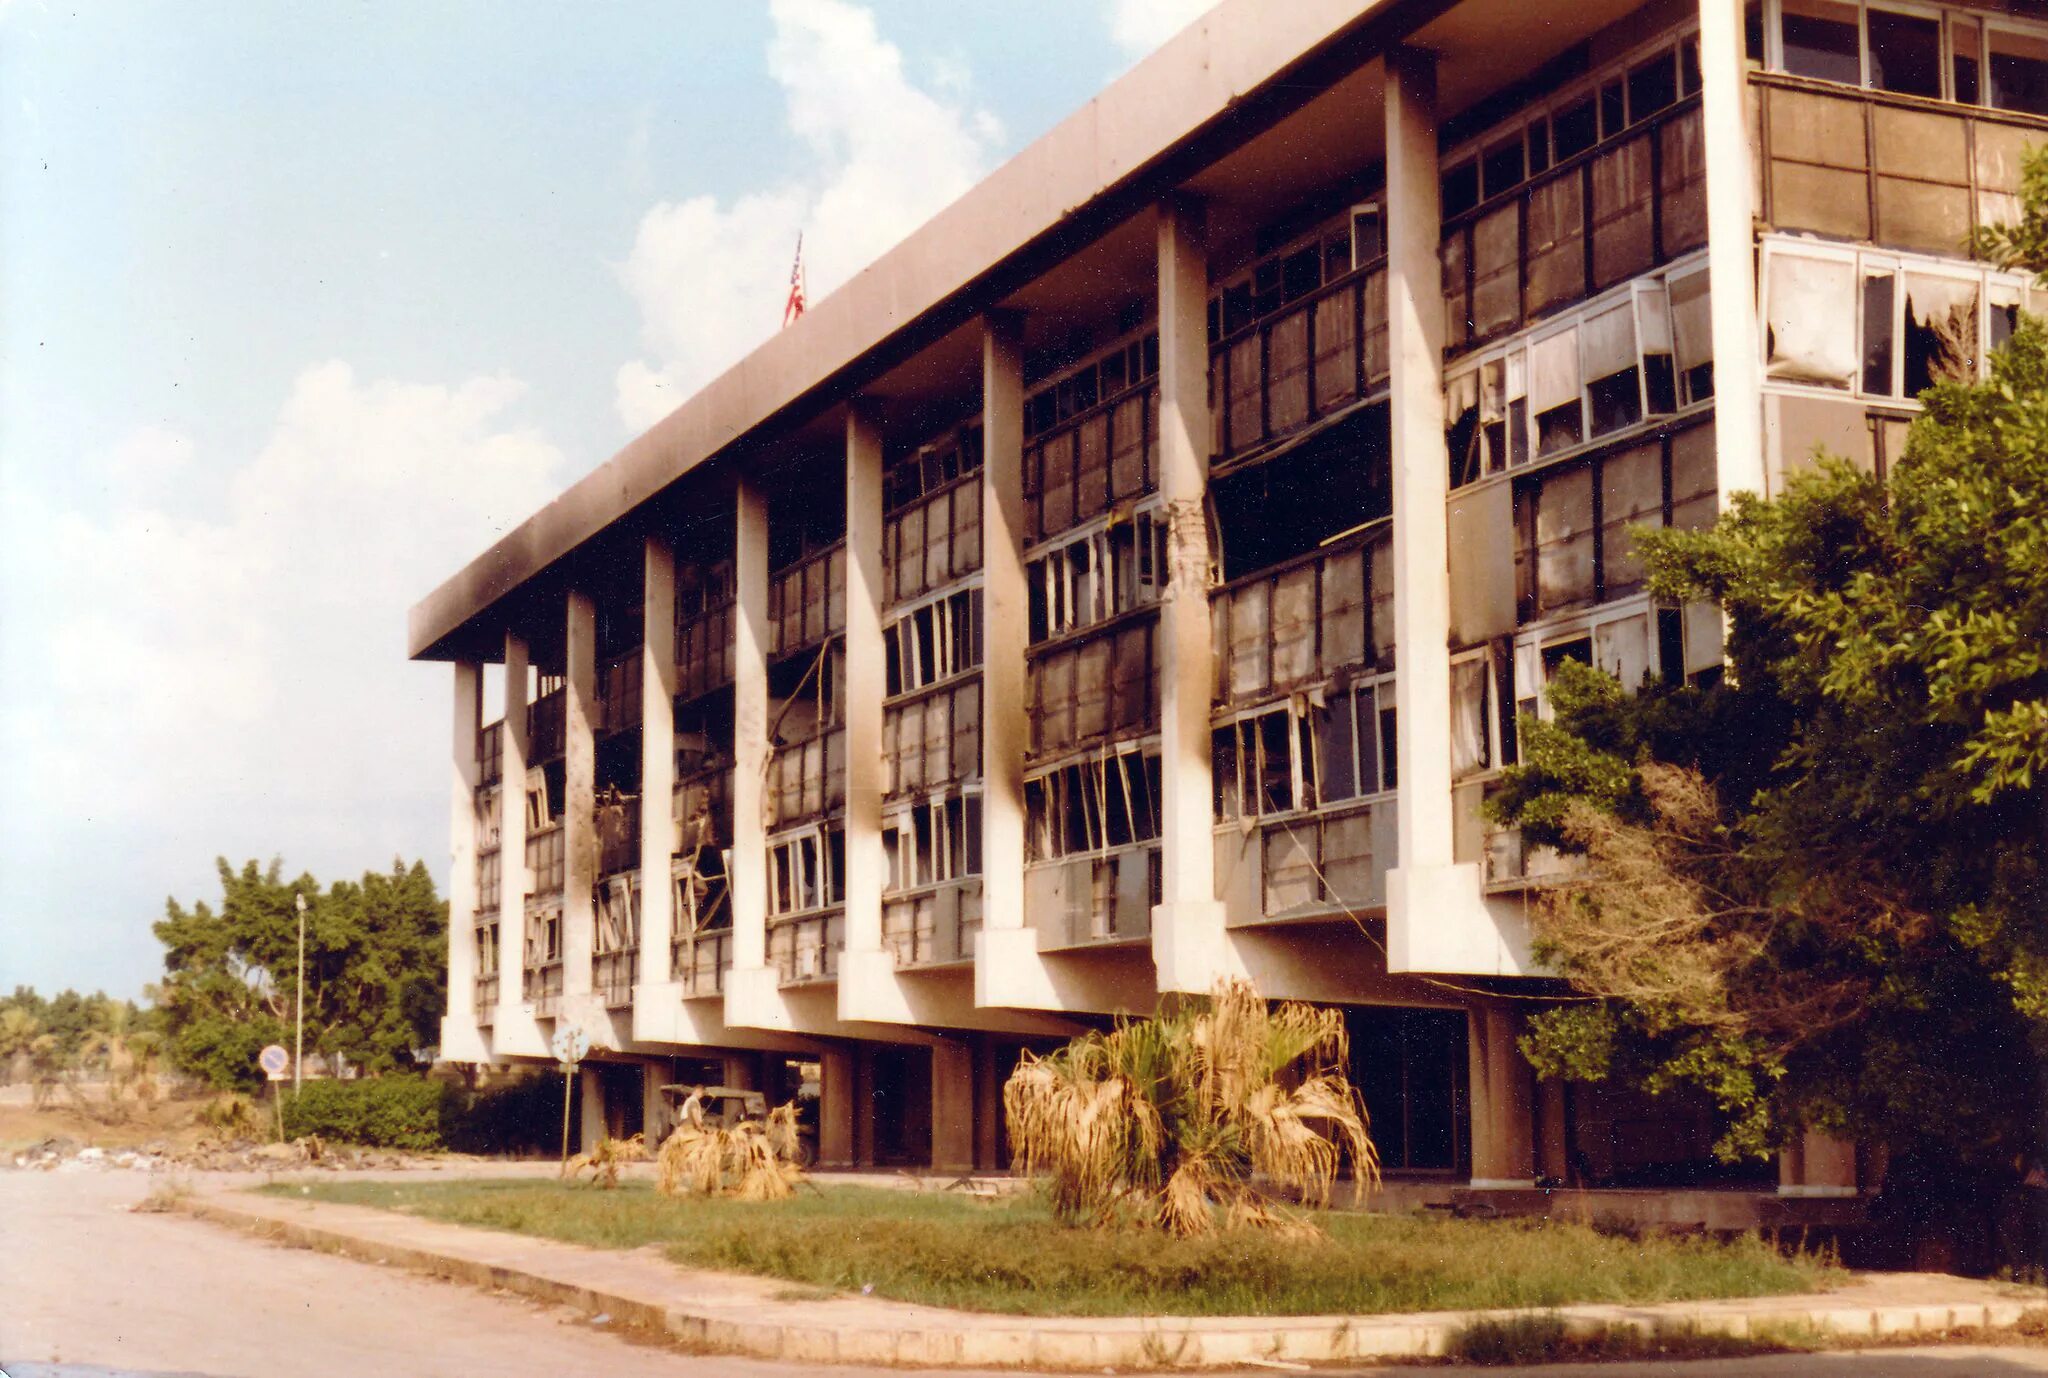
x=89, y=1288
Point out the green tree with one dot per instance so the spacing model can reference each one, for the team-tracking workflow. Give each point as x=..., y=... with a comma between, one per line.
x=376, y=967
x=1816, y=889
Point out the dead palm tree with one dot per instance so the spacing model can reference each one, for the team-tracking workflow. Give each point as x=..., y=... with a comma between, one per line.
x=1172, y=1120
x=755, y=1160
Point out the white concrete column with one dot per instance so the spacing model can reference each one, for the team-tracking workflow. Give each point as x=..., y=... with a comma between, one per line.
x=863, y=688
x=1503, y=1101
x=579, y=794
x=1731, y=250
x=1006, y=625
x=1190, y=945
x=1422, y=604
x=460, y=1039
x=512, y=887
x=657, y=763
x=1008, y=970
x=748, y=873
x=590, y=1107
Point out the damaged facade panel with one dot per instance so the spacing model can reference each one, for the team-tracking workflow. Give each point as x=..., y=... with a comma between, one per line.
x=932, y=639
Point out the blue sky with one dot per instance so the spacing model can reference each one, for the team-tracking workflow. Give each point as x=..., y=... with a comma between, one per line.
x=301, y=305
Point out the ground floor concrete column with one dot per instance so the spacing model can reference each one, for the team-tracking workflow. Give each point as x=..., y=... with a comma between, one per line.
x=836, y=1090
x=657, y=763
x=460, y=1039
x=1503, y=1088
x=1553, y=1130
x=1817, y=1164
x=579, y=796
x=953, y=1106
x=1191, y=946
x=988, y=1108
x=653, y=1108
x=590, y=1109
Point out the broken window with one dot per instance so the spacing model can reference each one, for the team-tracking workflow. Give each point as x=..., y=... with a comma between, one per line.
x=1607, y=358
x=1820, y=40
x=1349, y=742
x=1692, y=337
x=489, y=869
x=1266, y=763
x=543, y=936
x=1905, y=52
x=1091, y=806
x=804, y=870
x=1100, y=686
x=933, y=642
x=1810, y=305
x=1472, y=714
x=1632, y=494
x=616, y=915
x=1939, y=336
x=2019, y=71
x=1554, y=392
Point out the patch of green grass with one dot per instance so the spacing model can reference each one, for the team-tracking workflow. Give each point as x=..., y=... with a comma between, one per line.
x=1545, y=1338
x=1012, y=1257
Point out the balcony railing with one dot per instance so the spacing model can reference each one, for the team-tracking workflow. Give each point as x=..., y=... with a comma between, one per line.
x=807, y=601
x=1603, y=216
x=542, y=987
x=1330, y=863
x=704, y=651
x=1094, y=901
x=933, y=927
x=1507, y=862
x=1305, y=620
x=547, y=727
x=1317, y=356
x=490, y=754
x=1087, y=463
x=613, y=975
x=546, y=859
x=806, y=949
x=618, y=692
x=486, y=999
x=701, y=960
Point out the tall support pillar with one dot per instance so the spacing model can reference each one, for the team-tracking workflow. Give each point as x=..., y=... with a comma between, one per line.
x=1190, y=945
x=1731, y=250
x=862, y=694
x=512, y=880
x=1006, y=948
x=747, y=875
x=1503, y=1102
x=579, y=802
x=657, y=764
x=590, y=1108
x=460, y=1039
x=1422, y=602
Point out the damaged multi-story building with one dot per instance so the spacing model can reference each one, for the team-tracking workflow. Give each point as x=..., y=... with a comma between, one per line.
x=1132, y=579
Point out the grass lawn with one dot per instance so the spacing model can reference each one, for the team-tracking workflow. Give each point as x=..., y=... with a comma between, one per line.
x=945, y=1250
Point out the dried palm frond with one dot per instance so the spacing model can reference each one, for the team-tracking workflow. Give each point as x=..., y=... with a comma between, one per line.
x=1177, y=1113
x=755, y=1160
x=603, y=1161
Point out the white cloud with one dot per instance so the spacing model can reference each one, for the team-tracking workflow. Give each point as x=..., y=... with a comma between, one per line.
x=710, y=277
x=181, y=685
x=1139, y=26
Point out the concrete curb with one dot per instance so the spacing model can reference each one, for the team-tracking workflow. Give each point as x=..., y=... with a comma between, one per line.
x=945, y=1339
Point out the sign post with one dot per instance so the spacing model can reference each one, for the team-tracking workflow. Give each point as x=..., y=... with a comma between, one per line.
x=570, y=1044
x=274, y=1060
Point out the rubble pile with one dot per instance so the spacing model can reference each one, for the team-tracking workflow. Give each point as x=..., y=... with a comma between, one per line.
x=225, y=1155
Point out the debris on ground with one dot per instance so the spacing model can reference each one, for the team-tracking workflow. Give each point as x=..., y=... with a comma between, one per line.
x=60, y=1154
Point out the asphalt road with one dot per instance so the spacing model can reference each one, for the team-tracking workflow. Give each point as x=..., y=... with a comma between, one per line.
x=89, y=1288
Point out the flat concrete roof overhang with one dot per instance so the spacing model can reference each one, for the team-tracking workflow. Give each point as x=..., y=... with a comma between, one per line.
x=1254, y=103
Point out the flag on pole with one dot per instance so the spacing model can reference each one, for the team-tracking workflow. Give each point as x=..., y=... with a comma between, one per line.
x=794, y=307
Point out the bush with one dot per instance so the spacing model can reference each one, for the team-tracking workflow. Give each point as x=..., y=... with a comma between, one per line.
x=519, y=1116
x=409, y=1112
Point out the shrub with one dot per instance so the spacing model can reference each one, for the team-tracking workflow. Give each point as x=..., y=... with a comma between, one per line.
x=407, y=1112
x=523, y=1115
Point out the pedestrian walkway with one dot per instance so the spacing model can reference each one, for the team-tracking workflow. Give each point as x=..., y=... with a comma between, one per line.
x=768, y=1318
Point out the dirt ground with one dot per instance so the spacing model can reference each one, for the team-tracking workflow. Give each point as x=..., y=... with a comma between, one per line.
x=88, y=1119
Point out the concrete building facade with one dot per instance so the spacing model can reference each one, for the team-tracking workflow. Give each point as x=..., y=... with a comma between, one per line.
x=1131, y=580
